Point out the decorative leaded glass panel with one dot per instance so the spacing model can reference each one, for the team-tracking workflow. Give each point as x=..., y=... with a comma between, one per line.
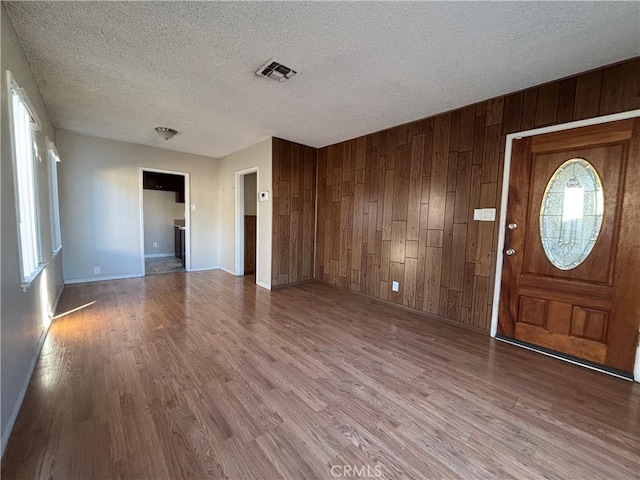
x=571, y=213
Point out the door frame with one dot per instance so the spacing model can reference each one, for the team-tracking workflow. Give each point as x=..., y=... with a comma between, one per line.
x=239, y=247
x=187, y=214
x=503, y=208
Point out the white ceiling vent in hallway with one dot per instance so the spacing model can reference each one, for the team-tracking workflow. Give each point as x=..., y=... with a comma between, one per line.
x=276, y=71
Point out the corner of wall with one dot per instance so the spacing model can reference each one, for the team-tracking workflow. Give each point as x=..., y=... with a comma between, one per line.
x=294, y=212
x=257, y=156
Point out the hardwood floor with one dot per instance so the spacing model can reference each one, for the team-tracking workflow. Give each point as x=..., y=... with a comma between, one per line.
x=205, y=375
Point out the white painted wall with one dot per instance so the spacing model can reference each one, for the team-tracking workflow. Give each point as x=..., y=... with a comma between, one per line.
x=260, y=156
x=24, y=315
x=250, y=194
x=160, y=213
x=99, y=205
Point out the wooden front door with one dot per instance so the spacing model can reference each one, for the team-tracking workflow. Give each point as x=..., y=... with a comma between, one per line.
x=571, y=271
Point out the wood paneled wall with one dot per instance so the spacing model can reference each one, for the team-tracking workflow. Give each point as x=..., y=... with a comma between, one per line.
x=250, y=243
x=294, y=198
x=397, y=205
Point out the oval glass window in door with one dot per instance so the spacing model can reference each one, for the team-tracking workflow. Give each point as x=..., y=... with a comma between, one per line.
x=571, y=213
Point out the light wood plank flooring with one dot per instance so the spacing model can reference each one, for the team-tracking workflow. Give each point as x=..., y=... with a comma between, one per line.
x=206, y=375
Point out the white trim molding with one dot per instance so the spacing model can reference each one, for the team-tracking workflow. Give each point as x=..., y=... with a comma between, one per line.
x=187, y=213
x=204, y=269
x=239, y=246
x=505, y=197
x=13, y=85
x=102, y=279
x=23, y=391
x=263, y=285
x=32, y=245
x=230, y=272
x=53, y=159
x=160, y=255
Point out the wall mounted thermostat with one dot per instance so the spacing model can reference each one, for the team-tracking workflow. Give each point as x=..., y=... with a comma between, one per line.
x=264, y=196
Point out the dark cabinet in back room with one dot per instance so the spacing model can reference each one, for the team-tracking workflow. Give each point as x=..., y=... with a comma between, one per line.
x=166, y=182
x=179, y=243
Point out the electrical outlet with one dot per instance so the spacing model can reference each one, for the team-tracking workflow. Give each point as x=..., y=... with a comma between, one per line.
x=395, y=286
x=96, y=270
x=155, y=244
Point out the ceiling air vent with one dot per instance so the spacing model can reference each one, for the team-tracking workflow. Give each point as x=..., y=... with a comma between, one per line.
x=276, y=71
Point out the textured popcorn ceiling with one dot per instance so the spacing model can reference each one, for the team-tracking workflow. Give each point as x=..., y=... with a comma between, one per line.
x=117, y=70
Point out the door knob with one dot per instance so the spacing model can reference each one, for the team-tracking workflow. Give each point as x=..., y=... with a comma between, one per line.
x=510, y=251
x=513, y=226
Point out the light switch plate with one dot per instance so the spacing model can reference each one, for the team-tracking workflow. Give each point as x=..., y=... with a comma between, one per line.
x=395, y=286
x=484, y=214
x=489, y=214
x=264, y=196
x=194, y=207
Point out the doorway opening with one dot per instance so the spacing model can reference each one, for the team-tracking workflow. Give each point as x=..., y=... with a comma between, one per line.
x=247, y=236
x=164, y=229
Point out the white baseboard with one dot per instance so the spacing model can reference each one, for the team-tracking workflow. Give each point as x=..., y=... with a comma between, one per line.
x=23, y=391
x=259, y=283
x=229, y=271
x=101, y=279
x=203, y=269
x=160, y=255
x=55, y=302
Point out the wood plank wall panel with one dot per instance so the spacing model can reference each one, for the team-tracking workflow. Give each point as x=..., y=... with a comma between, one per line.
x=397, y=205
x=294, y=198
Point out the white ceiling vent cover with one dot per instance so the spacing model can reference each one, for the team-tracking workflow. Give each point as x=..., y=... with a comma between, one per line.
x=276, y=71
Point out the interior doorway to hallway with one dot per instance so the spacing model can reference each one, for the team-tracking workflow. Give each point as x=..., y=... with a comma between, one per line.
x=247, y=235
x=250, y=223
